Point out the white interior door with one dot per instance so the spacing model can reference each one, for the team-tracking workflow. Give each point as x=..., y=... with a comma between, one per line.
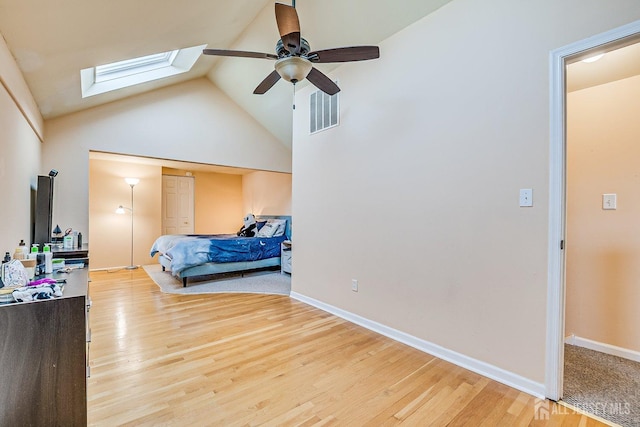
x=177, y=204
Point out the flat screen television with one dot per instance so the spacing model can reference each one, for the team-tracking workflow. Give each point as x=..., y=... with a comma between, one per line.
x=43, y=210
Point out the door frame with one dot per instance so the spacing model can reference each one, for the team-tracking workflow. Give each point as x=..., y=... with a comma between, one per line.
x=558, y=59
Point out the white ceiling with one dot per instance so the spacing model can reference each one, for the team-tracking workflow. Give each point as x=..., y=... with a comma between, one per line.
x=53, y=40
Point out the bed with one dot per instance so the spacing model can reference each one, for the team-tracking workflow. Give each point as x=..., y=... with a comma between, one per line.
x=186, y=256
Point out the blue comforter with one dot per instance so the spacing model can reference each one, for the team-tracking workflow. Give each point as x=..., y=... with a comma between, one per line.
x=189, y=251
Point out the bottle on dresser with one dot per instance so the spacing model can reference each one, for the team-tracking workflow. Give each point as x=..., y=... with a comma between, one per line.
x=34, y=251
x=48, y=259
x=21, y=251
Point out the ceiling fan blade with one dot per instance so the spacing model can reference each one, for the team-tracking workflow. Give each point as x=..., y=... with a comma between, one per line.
x=322, y=82
x=267, y=83
x=289, y=27
x=287, y=19
x=345, y=54
x=239, y=53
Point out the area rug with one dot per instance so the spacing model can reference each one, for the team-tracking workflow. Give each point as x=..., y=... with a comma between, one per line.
x=601, y=384
x=257, y=282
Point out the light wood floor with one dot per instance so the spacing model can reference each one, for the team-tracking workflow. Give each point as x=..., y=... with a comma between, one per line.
x=237, y=359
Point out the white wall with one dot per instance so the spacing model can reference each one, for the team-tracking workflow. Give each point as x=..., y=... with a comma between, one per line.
x=110, y=232
x=350, y=25
x=192, y=121
x=267, y=193
x=19, y=154
x=273, y=108
x=415, y=194
x=13, y=81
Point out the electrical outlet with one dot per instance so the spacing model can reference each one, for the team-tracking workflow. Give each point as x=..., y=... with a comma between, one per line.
x=354, y=285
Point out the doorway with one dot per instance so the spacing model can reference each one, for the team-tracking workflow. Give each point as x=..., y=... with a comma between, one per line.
x=556, y=300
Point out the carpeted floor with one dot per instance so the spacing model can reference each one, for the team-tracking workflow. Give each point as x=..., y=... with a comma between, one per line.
x=259, y=282
x=604, y=385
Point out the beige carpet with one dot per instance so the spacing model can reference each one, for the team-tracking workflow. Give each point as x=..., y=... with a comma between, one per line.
x=604, y=385
x=258, y=282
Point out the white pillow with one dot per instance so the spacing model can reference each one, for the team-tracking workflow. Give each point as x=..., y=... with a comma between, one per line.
x=282, y=226
x=268, y=230
x=273, y=228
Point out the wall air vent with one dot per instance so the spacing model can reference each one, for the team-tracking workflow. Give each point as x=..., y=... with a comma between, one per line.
x=323, y=111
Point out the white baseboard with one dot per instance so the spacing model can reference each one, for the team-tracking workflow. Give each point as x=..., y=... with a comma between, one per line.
x=603, y=348
x=505, y=377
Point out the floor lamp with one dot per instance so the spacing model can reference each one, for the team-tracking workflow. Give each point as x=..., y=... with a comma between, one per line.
x=121, y=209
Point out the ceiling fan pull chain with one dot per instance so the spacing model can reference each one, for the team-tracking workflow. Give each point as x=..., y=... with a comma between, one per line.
x=294, y=96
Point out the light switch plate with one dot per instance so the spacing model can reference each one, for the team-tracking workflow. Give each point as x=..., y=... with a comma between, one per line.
x=526, y=197
x=609, y=201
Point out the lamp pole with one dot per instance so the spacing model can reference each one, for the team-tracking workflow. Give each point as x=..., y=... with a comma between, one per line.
x=132, y=182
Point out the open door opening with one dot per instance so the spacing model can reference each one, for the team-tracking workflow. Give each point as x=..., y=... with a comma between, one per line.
x=559, y=59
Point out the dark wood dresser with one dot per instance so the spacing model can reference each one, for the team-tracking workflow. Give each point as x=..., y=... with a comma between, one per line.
x=74, y=255
x=44, y=357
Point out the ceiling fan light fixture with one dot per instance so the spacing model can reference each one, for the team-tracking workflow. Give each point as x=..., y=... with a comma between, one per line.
x=293, y=68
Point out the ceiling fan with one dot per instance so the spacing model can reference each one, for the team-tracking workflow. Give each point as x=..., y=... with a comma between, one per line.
x=294, y=58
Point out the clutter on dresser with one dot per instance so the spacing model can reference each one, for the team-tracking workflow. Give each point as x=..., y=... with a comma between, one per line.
x=21, y=251
x=67, y=243
x=20, y=281
x=44, y=259
x=30, y=267
x=27, y=264
x=56, y=236
x=38, y=290
x=6, y=295
x=72, y=239
x=14, y=274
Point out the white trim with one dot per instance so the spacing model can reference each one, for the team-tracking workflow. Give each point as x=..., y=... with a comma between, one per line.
x=557, y=164
x=555, y=279
x=613, y=350
x=485, y=369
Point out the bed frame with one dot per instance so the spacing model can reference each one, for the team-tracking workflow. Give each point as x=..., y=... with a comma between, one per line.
x=210, y=268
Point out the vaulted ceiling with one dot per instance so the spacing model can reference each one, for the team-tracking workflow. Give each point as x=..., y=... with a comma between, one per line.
x=53, y=40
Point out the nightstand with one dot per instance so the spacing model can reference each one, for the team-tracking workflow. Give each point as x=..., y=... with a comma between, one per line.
x=285, y=257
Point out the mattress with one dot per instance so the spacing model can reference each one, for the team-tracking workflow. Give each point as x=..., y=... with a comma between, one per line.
x=190, y=251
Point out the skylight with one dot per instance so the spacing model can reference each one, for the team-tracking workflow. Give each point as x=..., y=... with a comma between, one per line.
x=134, y=71
x=128, y=67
